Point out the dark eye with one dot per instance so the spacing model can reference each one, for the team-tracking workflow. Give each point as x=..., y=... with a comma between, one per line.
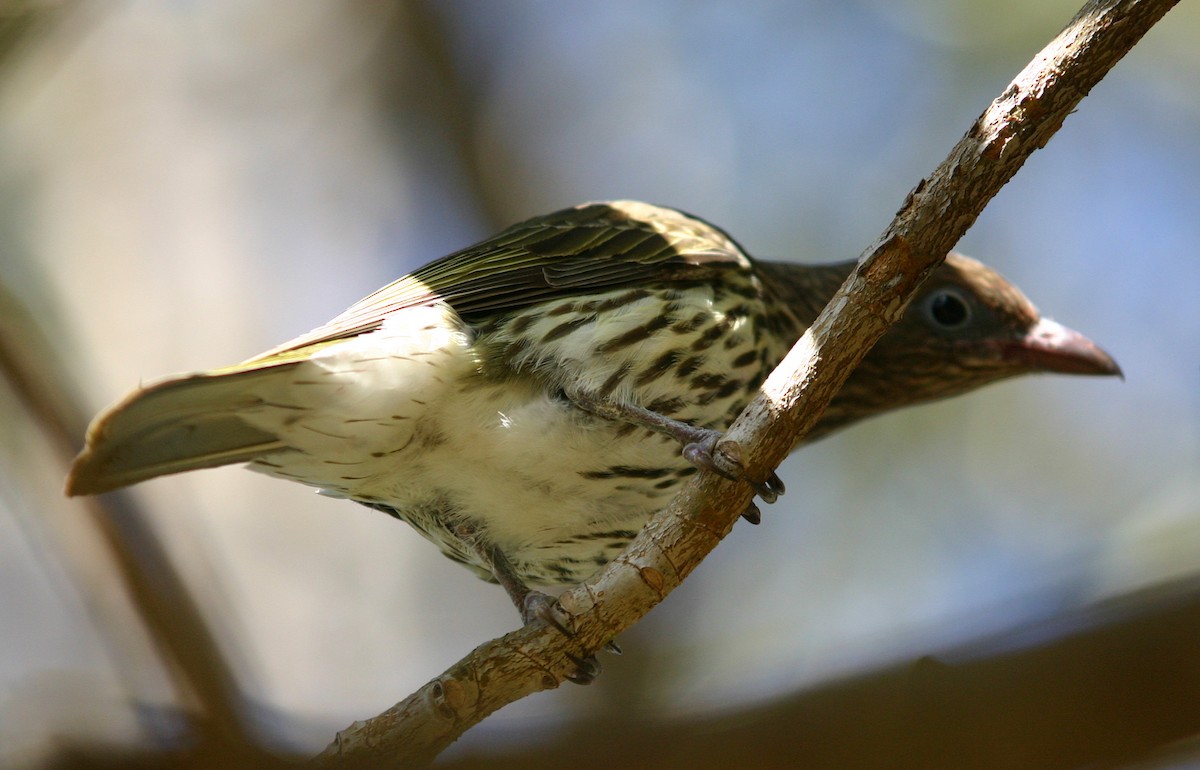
x=948, y=308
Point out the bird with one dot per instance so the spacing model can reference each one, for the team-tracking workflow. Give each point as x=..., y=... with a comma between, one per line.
x=522, y=402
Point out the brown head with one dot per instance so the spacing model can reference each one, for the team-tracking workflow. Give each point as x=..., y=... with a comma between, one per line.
x=967, y=327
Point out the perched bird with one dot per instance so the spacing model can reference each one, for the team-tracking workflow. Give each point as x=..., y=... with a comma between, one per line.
x=521, y=402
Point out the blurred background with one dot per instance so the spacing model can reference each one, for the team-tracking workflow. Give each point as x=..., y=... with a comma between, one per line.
x=183, y=185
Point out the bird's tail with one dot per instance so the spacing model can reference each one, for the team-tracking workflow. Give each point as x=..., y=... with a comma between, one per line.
x=178, y=424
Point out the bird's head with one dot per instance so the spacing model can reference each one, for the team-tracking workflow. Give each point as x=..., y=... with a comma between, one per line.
x=967, y=327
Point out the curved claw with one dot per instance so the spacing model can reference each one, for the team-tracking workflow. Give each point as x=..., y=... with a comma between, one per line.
x=587, y=669
x=539, y=605
x=723, y=457
x=701, y=455
x=768, y=490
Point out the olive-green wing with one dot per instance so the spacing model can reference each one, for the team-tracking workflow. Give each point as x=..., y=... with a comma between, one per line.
x=589, y=248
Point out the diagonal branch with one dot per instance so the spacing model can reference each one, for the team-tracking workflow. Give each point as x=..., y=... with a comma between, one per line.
x=932, y=219
x=994, y=703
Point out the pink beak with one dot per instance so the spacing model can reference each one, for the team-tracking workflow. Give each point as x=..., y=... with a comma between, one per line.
x=1051, y=347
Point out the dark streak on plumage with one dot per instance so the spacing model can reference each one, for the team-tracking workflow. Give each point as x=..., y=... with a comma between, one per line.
x=633, y=336
x=626, y=472
x=657, y=368
x=711, y=335
x=609, y=385
x=566, y=327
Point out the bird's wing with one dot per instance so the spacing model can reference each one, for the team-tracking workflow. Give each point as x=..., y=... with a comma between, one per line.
x=585, y=249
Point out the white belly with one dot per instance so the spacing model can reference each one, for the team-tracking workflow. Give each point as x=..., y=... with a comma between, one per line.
x=416, y=418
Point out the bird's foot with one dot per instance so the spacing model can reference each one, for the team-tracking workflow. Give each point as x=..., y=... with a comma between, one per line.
x=703, y=447
x=586, y=669
x=531, y=604
x=711, y=451
x=537, y=605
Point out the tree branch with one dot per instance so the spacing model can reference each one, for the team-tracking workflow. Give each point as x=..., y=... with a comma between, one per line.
x=932, y=219
x=1111, y=684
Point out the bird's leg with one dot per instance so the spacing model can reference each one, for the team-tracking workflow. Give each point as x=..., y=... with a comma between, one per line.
x=700, y=445
x=530, y=603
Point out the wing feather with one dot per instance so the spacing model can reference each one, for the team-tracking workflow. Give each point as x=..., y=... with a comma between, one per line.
x=591, y=247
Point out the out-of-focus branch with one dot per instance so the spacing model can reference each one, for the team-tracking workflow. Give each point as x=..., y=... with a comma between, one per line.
x=191, y=656
x=932, y=219
x=456, y=108
x=22, y=20
x=1098, y=687
x=31, y=367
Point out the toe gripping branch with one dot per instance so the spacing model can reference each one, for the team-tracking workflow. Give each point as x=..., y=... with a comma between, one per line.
x=723, y=457
x=703, y=447
x=532, y=604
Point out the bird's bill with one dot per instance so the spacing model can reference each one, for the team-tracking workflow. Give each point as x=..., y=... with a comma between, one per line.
x=1051, y=347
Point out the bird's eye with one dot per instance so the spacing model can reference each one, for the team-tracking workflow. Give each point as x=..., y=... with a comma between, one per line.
x=948, y=308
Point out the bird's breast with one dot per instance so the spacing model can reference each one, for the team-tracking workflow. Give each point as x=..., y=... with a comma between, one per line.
x=473, y=424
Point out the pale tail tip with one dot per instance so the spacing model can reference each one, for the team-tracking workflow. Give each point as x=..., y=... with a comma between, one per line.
x=82, y=480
